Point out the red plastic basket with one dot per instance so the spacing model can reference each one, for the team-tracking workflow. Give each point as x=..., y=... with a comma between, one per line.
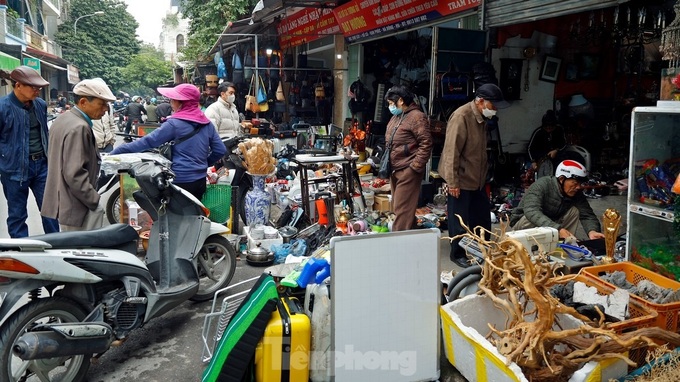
x=667, y=314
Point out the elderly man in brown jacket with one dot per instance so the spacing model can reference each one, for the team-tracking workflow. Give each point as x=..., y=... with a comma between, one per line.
x=74, y=160
x=463, y=165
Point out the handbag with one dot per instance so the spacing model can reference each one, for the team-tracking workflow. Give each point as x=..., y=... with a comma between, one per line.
x=385, y=166
x=251, y=100
x=166, y=148
x=280, y=96
x=262, y=94
x=319, y=91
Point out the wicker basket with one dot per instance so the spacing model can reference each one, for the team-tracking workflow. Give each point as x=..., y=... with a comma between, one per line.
x=217, y=198
x=667, y=313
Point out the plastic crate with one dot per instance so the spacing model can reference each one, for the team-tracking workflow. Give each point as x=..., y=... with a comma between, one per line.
x=667, y=313
x=640, y=315
x=217, y=198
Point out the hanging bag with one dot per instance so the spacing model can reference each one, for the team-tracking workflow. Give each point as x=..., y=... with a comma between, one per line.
x=319, y=90
x=280, y=96
x=261, y=93
x=238, y=76
x=262, y=96
x=385, y=166
x=251, y=100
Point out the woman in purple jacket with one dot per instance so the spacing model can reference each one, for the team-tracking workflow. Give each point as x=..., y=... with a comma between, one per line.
x=191, y=157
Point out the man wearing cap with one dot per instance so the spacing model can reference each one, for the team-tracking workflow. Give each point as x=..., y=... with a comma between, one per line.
x=75, y=161
x=558, y=202
x=463, y=165
x=23, y=149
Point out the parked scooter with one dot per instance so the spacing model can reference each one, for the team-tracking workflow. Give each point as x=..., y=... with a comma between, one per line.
x=85, y=290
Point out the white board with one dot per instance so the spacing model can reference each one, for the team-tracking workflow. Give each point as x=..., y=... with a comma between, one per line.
x=385, y=296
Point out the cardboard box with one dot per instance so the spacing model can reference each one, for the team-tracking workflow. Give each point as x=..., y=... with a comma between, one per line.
x=463, y=322
x=382, y=203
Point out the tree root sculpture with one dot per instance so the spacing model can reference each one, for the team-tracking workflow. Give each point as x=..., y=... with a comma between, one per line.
x=519, y=286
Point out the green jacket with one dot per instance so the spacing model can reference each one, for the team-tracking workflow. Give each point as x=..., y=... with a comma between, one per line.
x=543, y=204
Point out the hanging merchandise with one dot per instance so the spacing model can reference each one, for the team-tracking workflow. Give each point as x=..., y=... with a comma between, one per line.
x=221, y=69
x=262, y=99
x=238, y=75
x=302, y=59
x=319, y=91
x=279, y=92
x=248, y=63
x=251, y=100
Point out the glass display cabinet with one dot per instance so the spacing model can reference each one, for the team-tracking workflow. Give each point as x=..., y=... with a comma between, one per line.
x=653, y=240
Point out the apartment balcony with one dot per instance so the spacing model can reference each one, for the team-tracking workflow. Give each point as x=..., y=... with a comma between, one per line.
x=41, y=42
x=14, y=27
x=51, y=7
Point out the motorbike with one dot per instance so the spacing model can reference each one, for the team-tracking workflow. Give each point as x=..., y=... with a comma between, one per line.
x=66, y=296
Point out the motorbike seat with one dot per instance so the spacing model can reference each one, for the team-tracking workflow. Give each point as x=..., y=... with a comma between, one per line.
x=106, y=237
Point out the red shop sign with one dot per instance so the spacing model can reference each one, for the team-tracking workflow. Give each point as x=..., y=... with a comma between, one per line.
x=360, y=19
x=306, y=25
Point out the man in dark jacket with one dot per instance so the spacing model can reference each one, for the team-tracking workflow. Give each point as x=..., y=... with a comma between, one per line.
x=545, y=145
x=23, y=149
x=134, y=112
x=558, y=202
x=163, y=111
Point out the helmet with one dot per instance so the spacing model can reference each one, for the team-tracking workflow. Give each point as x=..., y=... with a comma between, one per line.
x=153, y=101
x=572, y=169
x=135, y=98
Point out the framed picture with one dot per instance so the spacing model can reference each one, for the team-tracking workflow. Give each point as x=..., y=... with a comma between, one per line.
x=588, y=66
x=551, y=69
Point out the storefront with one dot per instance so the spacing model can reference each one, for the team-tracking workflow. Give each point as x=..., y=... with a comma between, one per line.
x=608, y=55
x=54, y=69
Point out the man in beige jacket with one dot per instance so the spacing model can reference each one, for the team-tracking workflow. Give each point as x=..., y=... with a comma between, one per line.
x=74, y=160
x=463, y=165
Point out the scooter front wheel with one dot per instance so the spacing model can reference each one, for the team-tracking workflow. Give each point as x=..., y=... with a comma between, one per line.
x=43, y=311
x=216, y=267
x=113, y=207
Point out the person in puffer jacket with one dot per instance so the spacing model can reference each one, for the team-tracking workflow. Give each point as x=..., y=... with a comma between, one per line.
x=408, y=136
x=223, y=113
x=558, y=202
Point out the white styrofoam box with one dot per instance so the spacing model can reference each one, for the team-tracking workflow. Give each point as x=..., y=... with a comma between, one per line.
x=534, y=238
x=463, y=322
x=265, y=243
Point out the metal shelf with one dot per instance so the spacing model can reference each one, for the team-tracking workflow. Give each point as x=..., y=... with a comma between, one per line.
x=651, y=211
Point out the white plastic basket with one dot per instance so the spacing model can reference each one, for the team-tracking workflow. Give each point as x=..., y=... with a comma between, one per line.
x=217, y=320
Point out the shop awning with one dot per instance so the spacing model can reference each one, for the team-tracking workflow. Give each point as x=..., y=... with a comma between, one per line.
x=237, y=32
x=500, y=13
x=265, y=13
x=51, y=65
x=8, y=62
x=46, y=58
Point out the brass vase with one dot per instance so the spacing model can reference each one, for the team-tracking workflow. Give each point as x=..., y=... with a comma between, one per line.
x=611, y=220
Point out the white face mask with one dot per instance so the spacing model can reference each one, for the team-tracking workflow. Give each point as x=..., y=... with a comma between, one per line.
x=488, y=113
x=231, y=98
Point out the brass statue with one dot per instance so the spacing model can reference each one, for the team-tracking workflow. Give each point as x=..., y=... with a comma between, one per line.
x=611, y=220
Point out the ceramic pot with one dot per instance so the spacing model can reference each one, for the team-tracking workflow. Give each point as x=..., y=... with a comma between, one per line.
x=257, y=202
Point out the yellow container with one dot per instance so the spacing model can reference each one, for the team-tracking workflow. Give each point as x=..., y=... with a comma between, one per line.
x=283, y=352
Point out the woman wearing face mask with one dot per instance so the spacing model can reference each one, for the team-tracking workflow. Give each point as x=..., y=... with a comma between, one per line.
x=411, y=145
x=223, y=113
x=463, y=165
